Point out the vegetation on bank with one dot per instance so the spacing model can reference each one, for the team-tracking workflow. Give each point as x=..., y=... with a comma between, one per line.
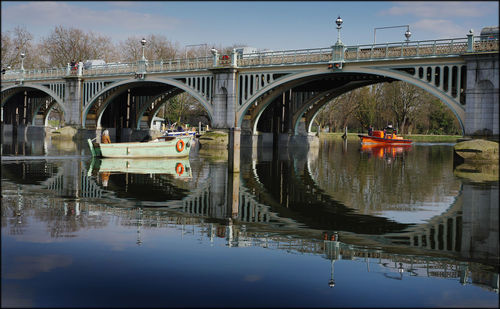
x=409, y=109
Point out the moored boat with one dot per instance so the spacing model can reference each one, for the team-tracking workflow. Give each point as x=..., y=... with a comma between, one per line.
x=164, y=147
x=180, y=133
x=384, y=137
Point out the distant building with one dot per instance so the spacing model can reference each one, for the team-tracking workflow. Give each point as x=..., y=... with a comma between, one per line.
x=157, y=122
x=489, y=33
x=91, y=63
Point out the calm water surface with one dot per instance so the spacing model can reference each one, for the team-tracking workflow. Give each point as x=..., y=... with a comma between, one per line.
x=338, y=226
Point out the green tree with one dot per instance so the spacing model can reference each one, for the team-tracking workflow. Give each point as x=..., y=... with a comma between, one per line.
x=368, y=105
x=441, y=119
x=403, y=100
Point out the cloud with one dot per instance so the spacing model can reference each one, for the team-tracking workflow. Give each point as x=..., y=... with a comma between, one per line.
x=26, y=267
x=442, y=9
x=440, y=28
x=118, y=22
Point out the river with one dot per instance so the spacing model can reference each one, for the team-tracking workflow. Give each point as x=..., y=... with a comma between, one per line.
x=336, y=226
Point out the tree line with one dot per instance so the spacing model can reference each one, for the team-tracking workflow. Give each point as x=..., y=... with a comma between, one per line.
x=64, y=44
x=407, y=107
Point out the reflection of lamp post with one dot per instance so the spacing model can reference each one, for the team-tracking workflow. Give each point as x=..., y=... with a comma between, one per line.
x=143, y=42
x=332, y=247
x=401, y=269
x=22, y=61
x=139, y=224
x=331, y=282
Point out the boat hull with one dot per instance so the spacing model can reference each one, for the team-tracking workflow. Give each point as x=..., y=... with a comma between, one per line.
x=366, y=139
x=175, y=148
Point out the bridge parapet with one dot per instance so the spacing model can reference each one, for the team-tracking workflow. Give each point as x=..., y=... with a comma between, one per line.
x=395, y=50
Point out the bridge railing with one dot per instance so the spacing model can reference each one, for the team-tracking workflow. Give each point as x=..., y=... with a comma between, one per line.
x=172, y=65
x=34, y=74
x=186, y=64
x=485, y=43
x=445, y=47
x=111, y=68
x=314, y=55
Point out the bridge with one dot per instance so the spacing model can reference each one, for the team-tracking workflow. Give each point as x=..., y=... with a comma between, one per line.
x=261, y=97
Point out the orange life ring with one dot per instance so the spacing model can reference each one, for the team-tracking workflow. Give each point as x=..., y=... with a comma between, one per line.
x=179, y=169
x=180, y=145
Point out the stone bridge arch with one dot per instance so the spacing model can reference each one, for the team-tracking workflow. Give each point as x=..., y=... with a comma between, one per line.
x=10, y=91
x=123, y=84
x=288, y=81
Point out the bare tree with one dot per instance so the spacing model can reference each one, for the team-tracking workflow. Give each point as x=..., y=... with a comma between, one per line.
x=66, y=44
x=15, y=42
x=157, y=47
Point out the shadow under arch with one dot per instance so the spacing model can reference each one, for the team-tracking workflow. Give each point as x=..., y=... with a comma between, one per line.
x=458, y=110
x=16, y=89
x=125, y=83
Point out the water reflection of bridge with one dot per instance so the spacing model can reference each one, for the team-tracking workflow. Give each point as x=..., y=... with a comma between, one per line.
x=467, y=230
x=65, y=217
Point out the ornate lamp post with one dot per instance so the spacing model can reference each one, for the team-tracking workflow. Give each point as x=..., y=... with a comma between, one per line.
x=339, y=22
x=142, y=63
x=408, y=35
x=338, y=48
x=143, y=42
x=22, y=61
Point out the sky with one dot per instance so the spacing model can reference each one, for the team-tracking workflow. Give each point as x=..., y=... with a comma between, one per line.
x=274, y=25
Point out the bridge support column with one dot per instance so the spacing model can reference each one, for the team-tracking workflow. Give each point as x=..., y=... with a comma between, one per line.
x=225, y=102
x=224, y=98
x=233, y=196
x=38, y=132
x=481, y=110
x=21, y=132
x=73, y=101
x=234, y=150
